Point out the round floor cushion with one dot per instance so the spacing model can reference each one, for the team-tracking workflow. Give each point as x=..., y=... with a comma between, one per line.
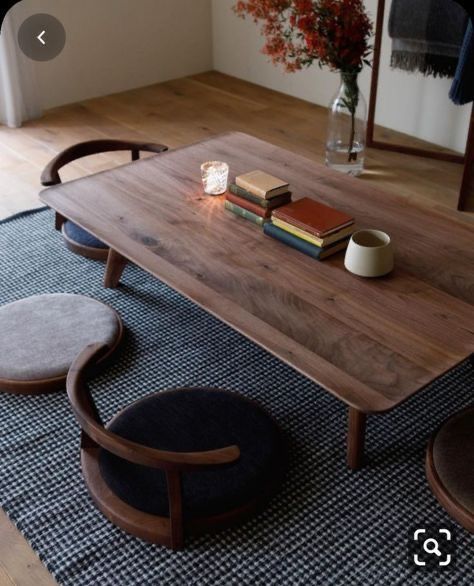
x=40, y=336
x=81, y=236
x=189, y=420
x=451, y=466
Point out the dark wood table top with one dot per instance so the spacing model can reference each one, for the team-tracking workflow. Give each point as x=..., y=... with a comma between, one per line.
x=371, y=342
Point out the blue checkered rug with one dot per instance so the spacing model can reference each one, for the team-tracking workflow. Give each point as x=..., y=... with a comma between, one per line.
x=326, y=526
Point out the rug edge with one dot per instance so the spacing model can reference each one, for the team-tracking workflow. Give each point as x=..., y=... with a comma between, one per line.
x=23, y=214
x=16, y=524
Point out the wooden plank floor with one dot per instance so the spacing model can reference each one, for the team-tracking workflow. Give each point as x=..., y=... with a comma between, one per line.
x=176, y=113
x=19, y=565
x=186, y=110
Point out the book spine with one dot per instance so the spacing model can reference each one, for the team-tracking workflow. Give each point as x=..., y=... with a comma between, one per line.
x=297, y=232
x=243, y=213
x=273, y=203
x=322, y=242
x=315, y=252
x=279, y=200
x=240, y=192
x=293, y=241
x=248, y=205
x=280, y=214
x=330, y=250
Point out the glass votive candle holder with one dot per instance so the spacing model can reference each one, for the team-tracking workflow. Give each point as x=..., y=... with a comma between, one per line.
x=215, y=175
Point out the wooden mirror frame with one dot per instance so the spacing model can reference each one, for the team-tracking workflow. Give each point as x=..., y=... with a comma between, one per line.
x=467, y=185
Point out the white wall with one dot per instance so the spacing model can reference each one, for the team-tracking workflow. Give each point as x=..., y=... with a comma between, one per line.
x=115, y=45
x=406, y=102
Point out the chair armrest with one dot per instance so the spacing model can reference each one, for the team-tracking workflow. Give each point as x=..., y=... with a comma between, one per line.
x=86, y=414
x=50, y=175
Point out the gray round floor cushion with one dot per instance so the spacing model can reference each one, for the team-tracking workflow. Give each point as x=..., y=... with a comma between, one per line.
x=40, y=336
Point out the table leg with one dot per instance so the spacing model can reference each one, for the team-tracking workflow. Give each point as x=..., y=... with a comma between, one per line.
x=114, y=269
x=58, y=221
x=355, y=438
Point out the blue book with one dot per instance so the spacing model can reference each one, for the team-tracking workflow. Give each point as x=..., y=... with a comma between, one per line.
x=303, y=246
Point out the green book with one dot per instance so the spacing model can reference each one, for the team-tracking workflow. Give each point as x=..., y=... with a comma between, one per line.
x=275, y=202
x=243, y=213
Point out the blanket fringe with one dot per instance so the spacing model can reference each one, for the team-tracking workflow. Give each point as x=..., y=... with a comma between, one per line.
x=426, y=63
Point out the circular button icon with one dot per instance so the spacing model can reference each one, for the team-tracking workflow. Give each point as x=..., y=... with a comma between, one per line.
x=41, y=37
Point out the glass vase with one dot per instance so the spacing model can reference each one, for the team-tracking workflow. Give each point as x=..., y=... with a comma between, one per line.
x=347, y=125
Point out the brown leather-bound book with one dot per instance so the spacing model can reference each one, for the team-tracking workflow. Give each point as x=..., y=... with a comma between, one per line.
x=313, y=217
x=248, y=205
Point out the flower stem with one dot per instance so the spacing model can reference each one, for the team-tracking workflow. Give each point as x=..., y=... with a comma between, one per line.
x=351, y=102
x=352, y=153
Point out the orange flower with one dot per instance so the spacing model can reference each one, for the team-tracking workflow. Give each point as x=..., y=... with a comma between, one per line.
x=335, y=33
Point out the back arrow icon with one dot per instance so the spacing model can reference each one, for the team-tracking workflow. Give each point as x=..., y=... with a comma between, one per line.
x=40, y=37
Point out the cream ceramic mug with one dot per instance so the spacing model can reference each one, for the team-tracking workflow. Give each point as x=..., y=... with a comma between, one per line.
x=369, y=254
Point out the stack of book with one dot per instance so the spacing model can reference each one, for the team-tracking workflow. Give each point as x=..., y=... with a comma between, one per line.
x=254, y=196
x=311, y=227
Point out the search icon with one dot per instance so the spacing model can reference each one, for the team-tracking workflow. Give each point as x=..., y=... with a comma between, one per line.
x=434, y=548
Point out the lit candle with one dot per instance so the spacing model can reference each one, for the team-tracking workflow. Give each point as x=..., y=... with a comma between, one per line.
x=214, y=177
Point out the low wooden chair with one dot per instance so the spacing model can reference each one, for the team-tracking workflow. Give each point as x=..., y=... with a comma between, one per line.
x=191, y=459
x=450, y=466
x=76, y=238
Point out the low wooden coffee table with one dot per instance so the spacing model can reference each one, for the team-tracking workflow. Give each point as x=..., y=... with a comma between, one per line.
x=372, y=343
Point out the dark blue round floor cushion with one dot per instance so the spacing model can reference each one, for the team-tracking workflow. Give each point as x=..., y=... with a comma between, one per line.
x=77, y=234
x=189, y=420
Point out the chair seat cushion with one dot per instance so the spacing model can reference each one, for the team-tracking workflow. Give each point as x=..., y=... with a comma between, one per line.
x=188, y=420
x=453, y=457
x=81, y=236
x=41, y=335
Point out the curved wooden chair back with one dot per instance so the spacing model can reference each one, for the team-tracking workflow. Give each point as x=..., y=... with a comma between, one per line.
x=94, y=434
x=50, y=175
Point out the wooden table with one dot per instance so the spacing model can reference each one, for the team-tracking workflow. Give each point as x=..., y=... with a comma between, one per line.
x=372, y=343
